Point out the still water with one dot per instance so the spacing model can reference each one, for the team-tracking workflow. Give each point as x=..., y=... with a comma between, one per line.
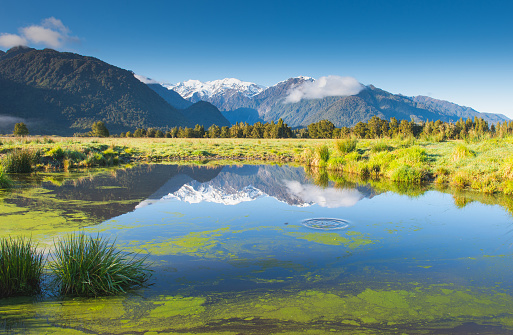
x=265, y=249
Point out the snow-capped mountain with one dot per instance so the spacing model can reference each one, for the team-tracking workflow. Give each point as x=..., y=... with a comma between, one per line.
x=198, y=192
x=209, y=89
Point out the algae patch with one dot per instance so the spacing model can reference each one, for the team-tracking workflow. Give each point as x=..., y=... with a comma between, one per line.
x=352, y=241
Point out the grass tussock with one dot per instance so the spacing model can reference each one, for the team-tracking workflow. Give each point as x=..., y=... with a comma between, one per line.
x=91, y=266
x=21, y=267
x=5, y=181
x=461, y=152
x=19, y=161
x=346, y=146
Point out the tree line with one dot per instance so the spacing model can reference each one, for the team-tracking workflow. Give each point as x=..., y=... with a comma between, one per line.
x=374, y=128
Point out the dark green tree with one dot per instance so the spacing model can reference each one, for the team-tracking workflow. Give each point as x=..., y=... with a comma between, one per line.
x=99, y=129
x=20, y=129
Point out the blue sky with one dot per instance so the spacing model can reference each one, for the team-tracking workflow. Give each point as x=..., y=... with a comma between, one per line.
x=460, y=51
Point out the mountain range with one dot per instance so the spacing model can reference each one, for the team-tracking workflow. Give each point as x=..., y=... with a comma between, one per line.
x=240, y=104
x=64, y=93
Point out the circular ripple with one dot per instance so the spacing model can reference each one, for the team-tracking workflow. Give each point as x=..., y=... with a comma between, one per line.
x=325, y=223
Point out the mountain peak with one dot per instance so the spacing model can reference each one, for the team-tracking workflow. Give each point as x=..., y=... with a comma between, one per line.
x=209, y=89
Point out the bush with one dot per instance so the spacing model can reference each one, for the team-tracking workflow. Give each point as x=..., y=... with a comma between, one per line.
x=91, y=266
x=21, y=267
x=19, y=161
x=346, y=146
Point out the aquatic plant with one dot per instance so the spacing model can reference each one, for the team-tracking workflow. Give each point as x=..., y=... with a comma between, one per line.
x=21, y=267
x=91, y=266
x=19, y=161
x=346, y=146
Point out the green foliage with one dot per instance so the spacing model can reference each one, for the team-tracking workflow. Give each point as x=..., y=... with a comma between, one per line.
x=91, y=266
x=346, y=146
x=99, y=129
x=20, y=129
x=19, y=161
x=461, y=152
x=408, y=174
x=380, y=146
x=5, y=181
x=323, y=153
x=56, y=152
x=21, y=267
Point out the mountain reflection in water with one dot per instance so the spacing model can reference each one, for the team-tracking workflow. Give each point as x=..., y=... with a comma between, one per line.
x=233, y=185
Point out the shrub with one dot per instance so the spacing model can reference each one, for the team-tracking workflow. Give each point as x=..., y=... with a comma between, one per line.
x=346, y=146
x=19, y=161
x=21, y=267
x=55, y=152
x=91, y=266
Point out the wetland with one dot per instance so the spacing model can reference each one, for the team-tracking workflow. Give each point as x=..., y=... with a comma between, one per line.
x=259, y=249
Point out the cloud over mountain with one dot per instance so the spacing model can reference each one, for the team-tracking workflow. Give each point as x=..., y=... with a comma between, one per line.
x=330, y=86
x=51, y=32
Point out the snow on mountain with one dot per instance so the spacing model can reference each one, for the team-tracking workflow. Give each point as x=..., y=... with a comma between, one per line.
x=216, y=87
x=197, y=192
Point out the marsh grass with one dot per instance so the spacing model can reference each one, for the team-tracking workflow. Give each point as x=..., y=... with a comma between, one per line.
x=5, y=181
x=19, y=161
x=21, y=267
x=346, y=146
x=461, y=152
x=91, y=266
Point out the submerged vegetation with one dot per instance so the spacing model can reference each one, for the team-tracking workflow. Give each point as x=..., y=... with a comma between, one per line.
x=21, y=267
x=91, y=266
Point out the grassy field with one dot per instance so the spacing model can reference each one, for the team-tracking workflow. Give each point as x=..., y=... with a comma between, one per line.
x=484, y=166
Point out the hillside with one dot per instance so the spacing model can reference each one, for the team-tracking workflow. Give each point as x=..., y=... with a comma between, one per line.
x=201, y=112
x=270, y=105
x=63, y=93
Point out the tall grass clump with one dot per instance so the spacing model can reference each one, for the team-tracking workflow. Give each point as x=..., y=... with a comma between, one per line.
x=5, y=181
x=380, y=146
x=19, y=161
x=346, y=146
x=461, y=152
x=323, y=153
x=91, y=266
x=21, y=267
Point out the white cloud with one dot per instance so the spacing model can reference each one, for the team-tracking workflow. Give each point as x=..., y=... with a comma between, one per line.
x=329, y=86
x=145, y=80
x=325, y=197
x=11, y=40
x=50, y=33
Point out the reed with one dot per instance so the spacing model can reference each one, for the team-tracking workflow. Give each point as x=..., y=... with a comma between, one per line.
x=19, y=161
x=21, y=267
x=91, y=266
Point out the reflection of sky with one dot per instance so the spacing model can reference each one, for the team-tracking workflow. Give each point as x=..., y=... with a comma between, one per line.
x=325, y=197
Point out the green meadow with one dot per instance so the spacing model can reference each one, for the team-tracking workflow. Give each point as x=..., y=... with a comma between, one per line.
x=483, y=166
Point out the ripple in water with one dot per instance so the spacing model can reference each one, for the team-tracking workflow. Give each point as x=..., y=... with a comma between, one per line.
x=325, y=223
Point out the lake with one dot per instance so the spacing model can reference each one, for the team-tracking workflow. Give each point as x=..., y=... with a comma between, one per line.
x=270, y=249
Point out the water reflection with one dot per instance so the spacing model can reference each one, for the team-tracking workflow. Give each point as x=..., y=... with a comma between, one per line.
x=233, y=251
